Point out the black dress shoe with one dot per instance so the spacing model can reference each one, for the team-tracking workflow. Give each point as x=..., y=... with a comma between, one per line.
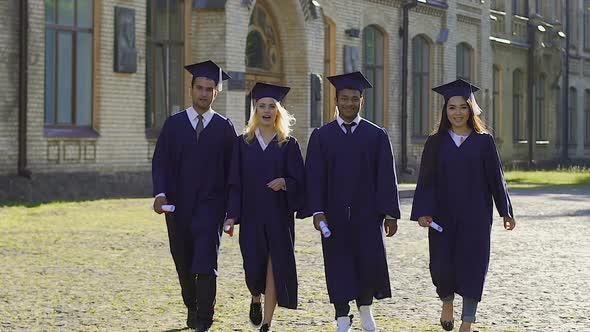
x=191, y=319
x=264, y=328
x=447, y=325
x=256, y=313
x=203, y=326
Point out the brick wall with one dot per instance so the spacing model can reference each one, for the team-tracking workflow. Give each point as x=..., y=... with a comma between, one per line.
x=9, y=80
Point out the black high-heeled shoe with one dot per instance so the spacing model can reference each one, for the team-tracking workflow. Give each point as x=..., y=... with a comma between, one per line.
x=447, y=325
x=256, y=313
x=264, y=328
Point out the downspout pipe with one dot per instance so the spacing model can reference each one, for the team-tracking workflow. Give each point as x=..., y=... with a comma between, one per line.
x=22, y=90
x=566, y=88
x=404, y=91
x=530, y=88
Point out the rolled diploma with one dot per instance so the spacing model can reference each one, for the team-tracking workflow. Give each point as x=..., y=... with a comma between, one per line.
x=168, y=208
x=325, y=230
x=435, y=226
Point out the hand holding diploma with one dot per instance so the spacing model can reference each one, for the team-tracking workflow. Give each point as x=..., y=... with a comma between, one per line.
x=427, y=221
x=321, y=224
x=159, y=203
x=228, y=226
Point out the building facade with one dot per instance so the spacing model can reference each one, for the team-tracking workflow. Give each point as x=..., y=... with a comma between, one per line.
x=86, y=85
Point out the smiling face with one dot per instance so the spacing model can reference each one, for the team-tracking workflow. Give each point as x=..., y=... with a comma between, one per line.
x=458, y=113
x=266, y=111
x=349, y=102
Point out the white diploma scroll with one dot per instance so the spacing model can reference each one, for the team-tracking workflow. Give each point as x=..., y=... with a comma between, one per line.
x=325, y=230
x=166, y=208
x=435, y=226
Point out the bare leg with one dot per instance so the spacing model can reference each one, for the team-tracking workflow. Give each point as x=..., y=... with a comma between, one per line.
x=256, y=299
x=447, y=311
x=447, y=308
x=270, y=295
x=465, y=326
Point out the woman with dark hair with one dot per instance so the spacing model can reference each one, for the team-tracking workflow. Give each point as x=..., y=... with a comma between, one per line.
x=460, y=173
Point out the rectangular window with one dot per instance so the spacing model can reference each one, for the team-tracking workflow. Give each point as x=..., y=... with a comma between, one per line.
x=572, y=117
x=464, y=62
x=164, y=61
x=496, y=102
x=420, y=86
x=519, y=114
x=373, y=63
x=540, y=119
x=68, y=63
x=586, y=10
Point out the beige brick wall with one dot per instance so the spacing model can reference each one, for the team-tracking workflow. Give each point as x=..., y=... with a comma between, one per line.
x=9, y=80
x=302, y=53
x=119, y=113
x=221, y=35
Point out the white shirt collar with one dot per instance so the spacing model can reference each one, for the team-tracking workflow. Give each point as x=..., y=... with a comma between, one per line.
x=192, y=116
x=261, y=139
x=458, y=139
x=356, y=120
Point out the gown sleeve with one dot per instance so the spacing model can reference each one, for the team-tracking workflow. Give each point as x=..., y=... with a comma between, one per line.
x=315, y=177
x=162, y=161
x=387, y=197
x=229, y=143
x=496, y=181
x=234, y=204
x=424, y=203
x=295, y=176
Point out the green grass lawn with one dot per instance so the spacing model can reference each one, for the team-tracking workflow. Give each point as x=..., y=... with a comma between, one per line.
x=559, y=177
x=105, y=265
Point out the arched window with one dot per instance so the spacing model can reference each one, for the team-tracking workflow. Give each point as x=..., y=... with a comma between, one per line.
x=541, y=118
x=465, y=62
x=373, y=63
x=572, y=116
x=263, y=51
x=420, y=86
x=164, y=61
x=518, y=113
x=494, y=119
x=262, y=43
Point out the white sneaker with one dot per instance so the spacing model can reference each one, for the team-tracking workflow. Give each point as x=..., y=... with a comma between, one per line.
x=367, y=320
x=343, y=323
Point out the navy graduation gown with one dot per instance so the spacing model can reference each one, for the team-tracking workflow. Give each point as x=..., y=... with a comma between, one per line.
x=193, y=175
x=266, y=217
x=456, y=186
x=351, y=178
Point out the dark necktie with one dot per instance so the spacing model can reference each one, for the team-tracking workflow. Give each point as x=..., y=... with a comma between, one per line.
x=348, y=127
x=200, y=126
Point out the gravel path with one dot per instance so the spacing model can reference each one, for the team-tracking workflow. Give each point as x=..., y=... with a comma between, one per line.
x=105, y=265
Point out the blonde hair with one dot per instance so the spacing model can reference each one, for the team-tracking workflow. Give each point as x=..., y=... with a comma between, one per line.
x=283, y=123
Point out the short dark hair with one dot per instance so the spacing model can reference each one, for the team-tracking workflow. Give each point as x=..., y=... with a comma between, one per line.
x=194, y=79
x=348, y=88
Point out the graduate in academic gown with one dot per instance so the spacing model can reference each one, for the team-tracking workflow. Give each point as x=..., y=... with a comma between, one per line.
x=266, y=189
x=189, y=170
x=351, y=186
x=460, y=174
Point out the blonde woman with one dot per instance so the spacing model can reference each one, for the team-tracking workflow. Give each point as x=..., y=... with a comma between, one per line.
x=266, y=188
